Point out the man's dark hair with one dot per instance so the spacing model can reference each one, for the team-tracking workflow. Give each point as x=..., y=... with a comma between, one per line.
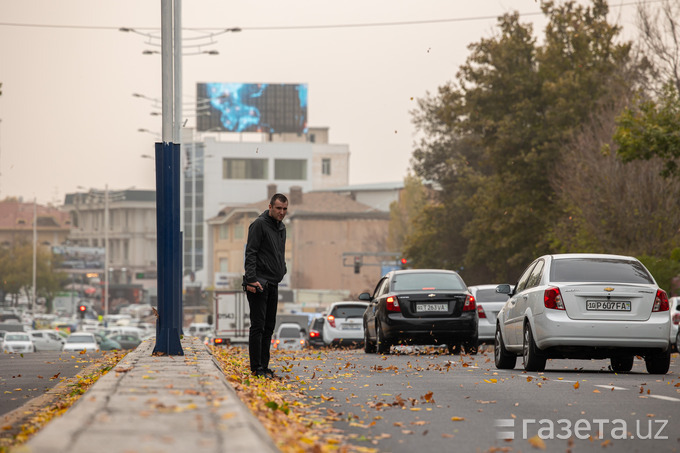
x=278, y=196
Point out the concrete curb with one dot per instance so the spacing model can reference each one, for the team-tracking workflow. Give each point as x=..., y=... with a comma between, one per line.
x=157, y=404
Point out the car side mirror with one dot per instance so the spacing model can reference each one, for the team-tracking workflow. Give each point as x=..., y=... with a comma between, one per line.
x=365, y=296
x=504, y=289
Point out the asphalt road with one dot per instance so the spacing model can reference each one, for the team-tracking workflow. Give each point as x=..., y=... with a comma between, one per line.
x=423, y=402
x=27, y=376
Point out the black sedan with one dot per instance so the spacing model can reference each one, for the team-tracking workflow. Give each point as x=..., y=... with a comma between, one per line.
x=420, y=307
x=315, y=332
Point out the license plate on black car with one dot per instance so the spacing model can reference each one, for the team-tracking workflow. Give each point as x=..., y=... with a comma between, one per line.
x=432, y=307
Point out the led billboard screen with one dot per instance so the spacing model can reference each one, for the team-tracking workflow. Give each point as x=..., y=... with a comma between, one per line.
x=251, y=107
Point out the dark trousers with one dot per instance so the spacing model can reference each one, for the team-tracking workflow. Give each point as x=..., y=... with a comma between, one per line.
x=263, y=306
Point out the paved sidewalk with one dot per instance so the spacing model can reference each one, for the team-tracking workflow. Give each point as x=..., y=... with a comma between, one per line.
x=157, y=404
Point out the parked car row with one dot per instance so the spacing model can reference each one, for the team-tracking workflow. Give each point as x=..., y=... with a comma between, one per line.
x=564, y=306
x=54, y=340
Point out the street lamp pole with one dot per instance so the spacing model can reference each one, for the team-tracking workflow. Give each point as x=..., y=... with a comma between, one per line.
x=35, y=251
x=106, y=251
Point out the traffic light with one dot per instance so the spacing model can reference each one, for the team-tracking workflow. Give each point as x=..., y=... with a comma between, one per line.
x=357, y=264
x=403, y=263
x=81, y=311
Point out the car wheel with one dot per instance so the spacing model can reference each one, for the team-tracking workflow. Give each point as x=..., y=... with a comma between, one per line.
x=622, y=364
x=381, y=342
x=533, y=360
x=369, y=346
x=504, y=360
x=658, y=363
x=471, y=346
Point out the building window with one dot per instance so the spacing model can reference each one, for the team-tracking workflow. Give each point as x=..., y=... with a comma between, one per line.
x=325, y=166
x=224, y=232
x=290, y=169
x=224, y=264
x=244, y=169
x=238, y=231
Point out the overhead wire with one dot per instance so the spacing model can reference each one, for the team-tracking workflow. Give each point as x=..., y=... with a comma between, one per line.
x=307, y=27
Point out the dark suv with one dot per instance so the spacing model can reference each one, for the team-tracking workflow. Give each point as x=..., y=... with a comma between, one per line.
x=315, y=335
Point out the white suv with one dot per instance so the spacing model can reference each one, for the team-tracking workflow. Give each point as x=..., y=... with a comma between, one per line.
x=344, y=323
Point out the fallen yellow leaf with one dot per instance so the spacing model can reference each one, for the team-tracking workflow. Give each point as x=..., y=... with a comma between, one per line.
x=537, y=442
x=457, y=419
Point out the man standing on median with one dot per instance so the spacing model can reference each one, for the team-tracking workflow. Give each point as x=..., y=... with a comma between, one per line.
x=265, y=266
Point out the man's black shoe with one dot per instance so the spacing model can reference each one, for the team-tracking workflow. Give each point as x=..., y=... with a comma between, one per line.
x=269, y=373
x=259, y=373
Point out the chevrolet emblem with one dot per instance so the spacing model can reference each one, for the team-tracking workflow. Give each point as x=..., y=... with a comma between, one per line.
x=431, y=295
x=608, y=289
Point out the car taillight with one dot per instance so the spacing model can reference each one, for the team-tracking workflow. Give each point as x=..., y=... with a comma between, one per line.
x=392, y=304
x=313, y=334
x=331, y=320
x=552, y=298
x=470, y=304
x=661, y=301
x=219, y=340
x=480, y=312
x=302, y=342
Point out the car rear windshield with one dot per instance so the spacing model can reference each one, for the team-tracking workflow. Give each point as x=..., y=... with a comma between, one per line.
x=289, y=332
x=599, y=270
x=80, y=339
x=349, y=311
x=423, y=281
x=490, y=295
x=17, y=337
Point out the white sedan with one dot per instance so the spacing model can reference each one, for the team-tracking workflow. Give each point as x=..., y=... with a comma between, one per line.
x=17, y=342
x=584, y=306
x=81, y=341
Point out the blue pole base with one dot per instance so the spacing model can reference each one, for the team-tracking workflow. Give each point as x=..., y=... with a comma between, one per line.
x=168, y=342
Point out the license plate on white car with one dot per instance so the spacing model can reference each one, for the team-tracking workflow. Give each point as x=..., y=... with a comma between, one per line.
x=607, y=305
x=351, y=327
x=432, y=307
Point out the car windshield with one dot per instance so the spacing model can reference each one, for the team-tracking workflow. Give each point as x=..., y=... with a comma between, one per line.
x=423, y=281
x=349, y=311
x=599, y=270
x=17, y=337
x=289, y=332
x=318, y=323
x=490, y=295
x=79, y=339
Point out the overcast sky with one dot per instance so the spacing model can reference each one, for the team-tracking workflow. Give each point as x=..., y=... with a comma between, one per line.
x=68, y=117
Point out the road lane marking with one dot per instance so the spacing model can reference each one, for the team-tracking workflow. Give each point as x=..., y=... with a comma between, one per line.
x=665, y=398
x=610, y=387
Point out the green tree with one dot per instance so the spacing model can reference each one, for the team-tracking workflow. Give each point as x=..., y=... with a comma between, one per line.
x=494, y=138
x=402, y=212
x=652, y=129
x=16, y=272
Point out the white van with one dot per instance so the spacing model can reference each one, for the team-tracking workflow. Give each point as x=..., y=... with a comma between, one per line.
x=199, y=329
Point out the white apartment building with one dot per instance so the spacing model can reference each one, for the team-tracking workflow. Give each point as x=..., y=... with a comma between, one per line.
x=220, y=174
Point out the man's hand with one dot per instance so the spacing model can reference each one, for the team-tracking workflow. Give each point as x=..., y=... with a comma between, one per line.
x=254, y=287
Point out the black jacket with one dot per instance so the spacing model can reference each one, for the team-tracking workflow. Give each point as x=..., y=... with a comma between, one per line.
x=266, y=250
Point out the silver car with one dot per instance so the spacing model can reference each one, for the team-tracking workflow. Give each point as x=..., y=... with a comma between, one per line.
x=489, y=303
x=47, y=340
x=584, y=306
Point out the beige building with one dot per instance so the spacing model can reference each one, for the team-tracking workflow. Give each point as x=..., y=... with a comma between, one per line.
x=324, y=230
x=16, y=224
x=131, y=230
